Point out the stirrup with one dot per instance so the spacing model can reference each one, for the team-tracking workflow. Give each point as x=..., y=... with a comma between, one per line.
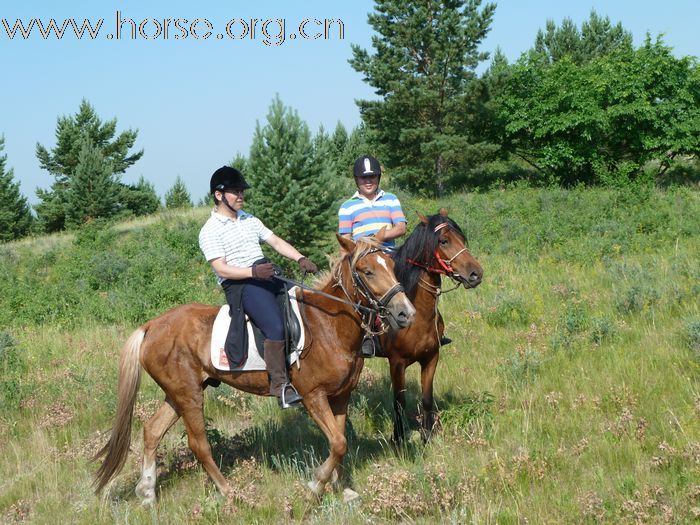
x=368, y=347
x=289, y=397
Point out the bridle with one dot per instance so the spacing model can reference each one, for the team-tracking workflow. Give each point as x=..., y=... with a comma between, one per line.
x=443, y=266
x=377, y=306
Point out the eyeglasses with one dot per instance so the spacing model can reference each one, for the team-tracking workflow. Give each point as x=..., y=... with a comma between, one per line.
x=235, y=191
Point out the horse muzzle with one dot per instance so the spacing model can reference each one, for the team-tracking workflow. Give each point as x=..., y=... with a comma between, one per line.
x=472, y=280
x=401, y=312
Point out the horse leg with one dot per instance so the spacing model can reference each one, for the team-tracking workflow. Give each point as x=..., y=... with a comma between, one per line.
x=427, y=373
x=398, y=383
x=320, y=410
x=153, y=431
x=190, y=401
x=339, y=406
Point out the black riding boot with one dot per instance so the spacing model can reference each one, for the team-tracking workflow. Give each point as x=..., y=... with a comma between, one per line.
x=276, y=363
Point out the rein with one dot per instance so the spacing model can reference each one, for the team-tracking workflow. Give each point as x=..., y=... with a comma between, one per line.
x=356, y=306
x=377, y=306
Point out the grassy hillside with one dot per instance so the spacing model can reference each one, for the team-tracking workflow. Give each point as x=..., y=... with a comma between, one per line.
x=571, y=393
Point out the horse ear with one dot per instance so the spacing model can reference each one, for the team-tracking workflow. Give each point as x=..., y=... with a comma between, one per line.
x=347, y=244
x=422, y=218
x=443, y=212
x=381, y=234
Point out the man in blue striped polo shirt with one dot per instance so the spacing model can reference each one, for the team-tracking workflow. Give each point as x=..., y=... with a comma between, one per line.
x=370, y=209
x=365, y=213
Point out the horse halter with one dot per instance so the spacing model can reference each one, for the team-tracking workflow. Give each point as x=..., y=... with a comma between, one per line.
x=444, y=266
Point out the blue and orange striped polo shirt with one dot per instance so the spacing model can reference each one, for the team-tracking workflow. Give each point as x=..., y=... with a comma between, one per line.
x=360, y=216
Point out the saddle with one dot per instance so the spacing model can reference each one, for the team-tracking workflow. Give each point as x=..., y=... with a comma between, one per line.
x=294, y=335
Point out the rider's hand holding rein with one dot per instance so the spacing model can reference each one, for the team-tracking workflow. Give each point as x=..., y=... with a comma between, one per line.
x=308, y=266
x=263, y=270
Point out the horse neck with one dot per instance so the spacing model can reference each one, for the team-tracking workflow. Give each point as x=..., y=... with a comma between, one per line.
x=340, y=312
x=426, y=292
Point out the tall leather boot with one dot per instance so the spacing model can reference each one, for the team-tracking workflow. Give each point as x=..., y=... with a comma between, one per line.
x=276, y=363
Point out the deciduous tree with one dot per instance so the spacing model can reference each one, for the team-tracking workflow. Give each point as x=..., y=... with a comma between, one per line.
x=611, y=120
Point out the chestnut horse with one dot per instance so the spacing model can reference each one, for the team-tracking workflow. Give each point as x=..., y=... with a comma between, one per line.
x=436, y=247
x=174, y=349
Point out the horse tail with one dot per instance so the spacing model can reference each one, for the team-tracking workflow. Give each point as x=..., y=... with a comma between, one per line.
x=117, y=448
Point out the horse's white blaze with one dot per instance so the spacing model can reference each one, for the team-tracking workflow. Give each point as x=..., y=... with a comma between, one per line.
x=382, y=262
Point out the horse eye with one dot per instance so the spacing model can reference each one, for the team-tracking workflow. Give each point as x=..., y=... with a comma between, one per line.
x=443, y=242
x=369, y=273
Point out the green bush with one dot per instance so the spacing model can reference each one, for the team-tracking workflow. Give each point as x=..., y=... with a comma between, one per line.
x=474, y=408
x=637, y=298
x=13, y=366
x=692, y=337
x=602, y=329
x=521, y=367
x=508, y=311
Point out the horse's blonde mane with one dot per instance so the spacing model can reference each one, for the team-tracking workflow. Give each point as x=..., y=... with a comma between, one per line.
x=362, y=246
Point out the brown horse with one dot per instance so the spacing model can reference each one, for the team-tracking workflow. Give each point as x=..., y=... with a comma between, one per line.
x=174, y=349
x=436, y=247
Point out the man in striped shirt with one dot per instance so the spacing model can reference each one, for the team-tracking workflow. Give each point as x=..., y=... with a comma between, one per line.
x=365, y=213
x=230, y=241
x=370, y=209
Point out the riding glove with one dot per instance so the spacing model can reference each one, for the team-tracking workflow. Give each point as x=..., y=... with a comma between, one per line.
x=263, y=270
x=307, y=265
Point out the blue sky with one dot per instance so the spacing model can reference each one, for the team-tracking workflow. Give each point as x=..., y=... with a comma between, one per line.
x=196, y=102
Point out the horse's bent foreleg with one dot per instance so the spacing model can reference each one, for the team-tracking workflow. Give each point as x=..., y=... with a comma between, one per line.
x=398, y=383
x=321, y=412
x=427, y=373
x=153, y=431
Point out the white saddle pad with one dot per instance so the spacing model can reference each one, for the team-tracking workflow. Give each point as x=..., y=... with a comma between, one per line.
x=254, y=361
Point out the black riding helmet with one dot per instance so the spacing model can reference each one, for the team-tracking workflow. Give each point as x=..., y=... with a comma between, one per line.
x=227, y=178
x=366, y=166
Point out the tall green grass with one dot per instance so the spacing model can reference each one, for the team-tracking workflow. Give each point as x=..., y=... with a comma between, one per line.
x=571, y=392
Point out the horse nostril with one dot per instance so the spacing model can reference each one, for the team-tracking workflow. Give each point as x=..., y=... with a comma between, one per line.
x=474, y=277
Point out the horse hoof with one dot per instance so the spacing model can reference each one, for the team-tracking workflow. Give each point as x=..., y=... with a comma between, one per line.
x=350, y=496
x=148, y=498
x=316, y=487
x=146, y=495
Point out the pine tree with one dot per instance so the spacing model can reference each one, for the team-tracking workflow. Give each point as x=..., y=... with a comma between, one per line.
x=62, y=161
x=356, y=146
x=178, y=196
x=339, y=138
x=91, y=194
x=140, y=198
x=15, y=216
x=422, y=68
x=597, y=37
x=294, y=191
